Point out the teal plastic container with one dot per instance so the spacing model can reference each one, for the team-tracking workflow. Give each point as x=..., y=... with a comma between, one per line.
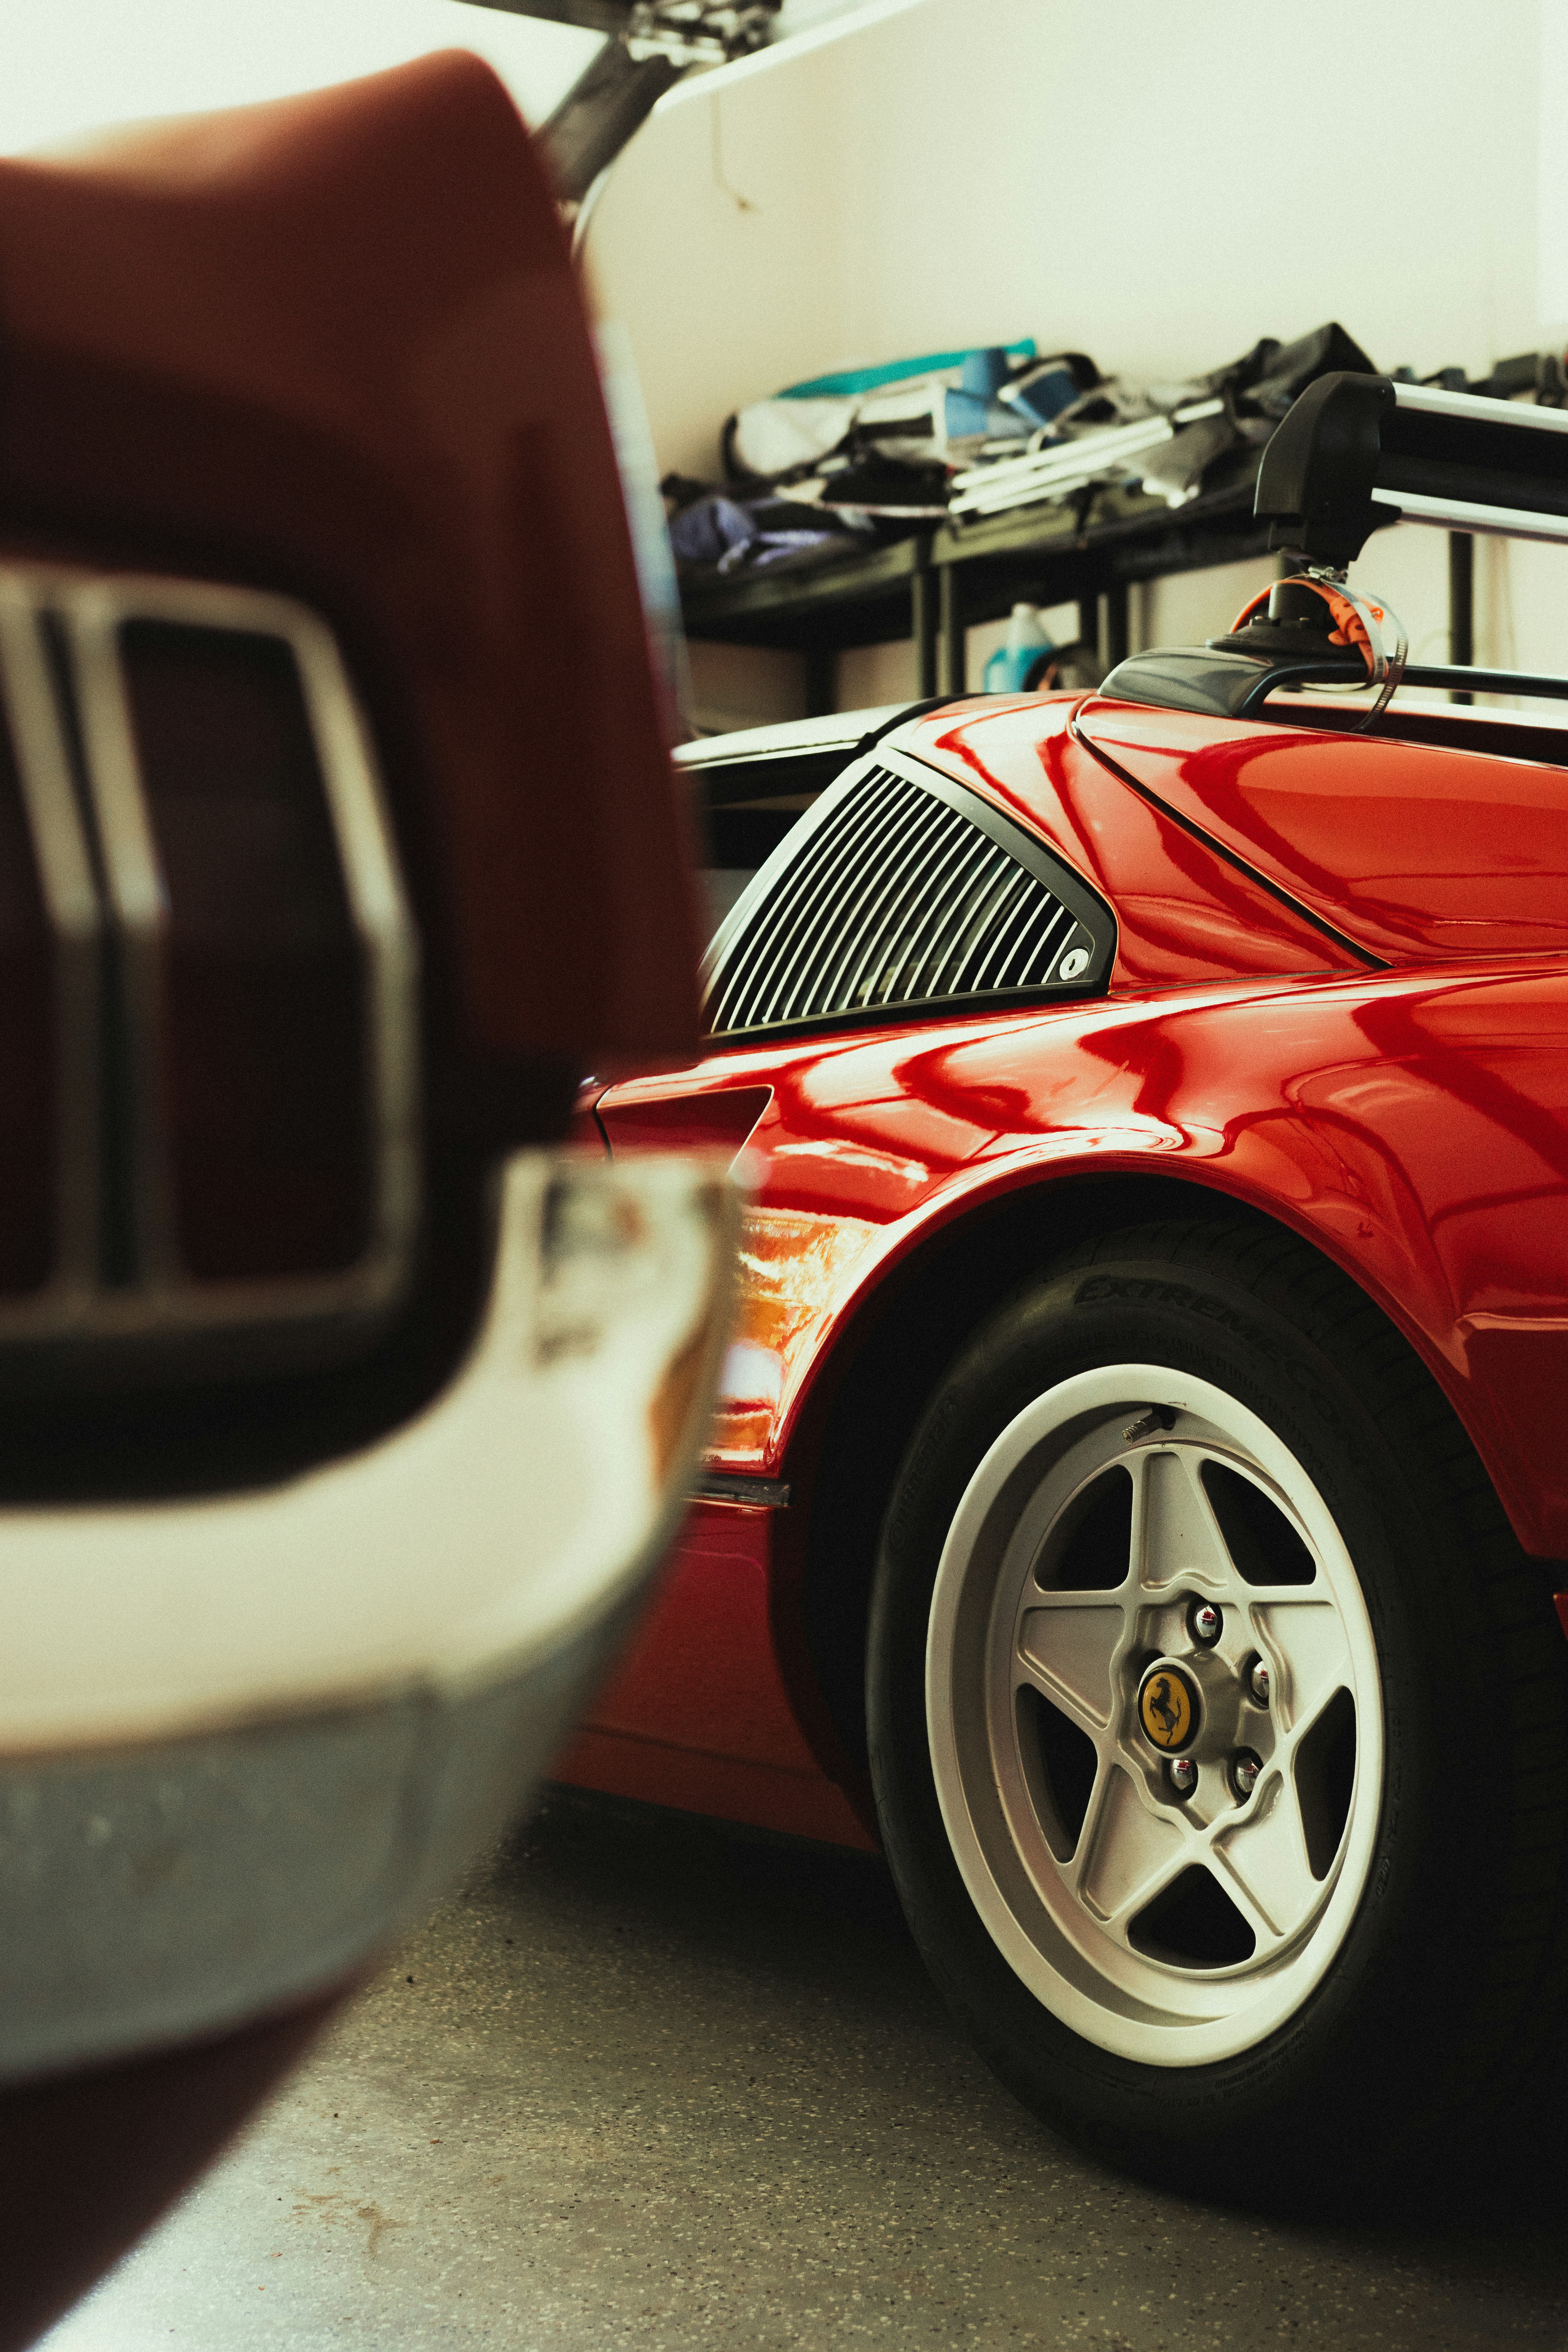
x=1010, y=665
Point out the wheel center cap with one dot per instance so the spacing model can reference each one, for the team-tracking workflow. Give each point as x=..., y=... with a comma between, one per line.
x=1169, y=1707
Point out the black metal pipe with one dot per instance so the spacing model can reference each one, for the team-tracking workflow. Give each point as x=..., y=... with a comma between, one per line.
x=1488, y=681
x=1347, y=674
x=610, y=100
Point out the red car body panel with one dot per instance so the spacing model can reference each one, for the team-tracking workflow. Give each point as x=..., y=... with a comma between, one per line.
x=335, y=345
x=1447, y=854
x=1411, y=1124
x=1184, y=909
x=701, y=1715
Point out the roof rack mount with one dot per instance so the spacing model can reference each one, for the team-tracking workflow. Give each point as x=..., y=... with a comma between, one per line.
x=1356, y=451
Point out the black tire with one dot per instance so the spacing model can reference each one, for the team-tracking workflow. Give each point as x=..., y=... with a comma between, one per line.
x=1435, y=2015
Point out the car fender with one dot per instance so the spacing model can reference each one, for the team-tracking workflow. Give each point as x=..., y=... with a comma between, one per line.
x=1410, y=1126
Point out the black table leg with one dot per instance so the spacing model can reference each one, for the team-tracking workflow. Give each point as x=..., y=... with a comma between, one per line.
x=1116, y=623
x=923, y=620
x=1089, y=623
x=1461, y=604
x=821, y=681
x=954, y=652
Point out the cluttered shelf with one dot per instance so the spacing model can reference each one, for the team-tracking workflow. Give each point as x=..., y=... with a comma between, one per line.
x=940, y=581
x=861, y=599
x=916, y=501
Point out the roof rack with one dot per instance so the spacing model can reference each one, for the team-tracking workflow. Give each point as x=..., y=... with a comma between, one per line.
x=1356, y=451
x=1222, y=682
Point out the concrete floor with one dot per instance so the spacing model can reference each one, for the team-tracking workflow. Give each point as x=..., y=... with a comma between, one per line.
x=652, y=2084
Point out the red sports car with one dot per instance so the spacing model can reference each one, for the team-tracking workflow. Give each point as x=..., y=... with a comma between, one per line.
x=1140, y=1486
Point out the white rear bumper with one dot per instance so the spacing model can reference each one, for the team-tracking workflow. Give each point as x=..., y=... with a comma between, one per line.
x=244, y=1738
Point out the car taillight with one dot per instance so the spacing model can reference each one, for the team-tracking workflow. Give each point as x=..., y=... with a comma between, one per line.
x=263, y=1039
x=50, y=943
x=29, y=1157
x=209, y=1054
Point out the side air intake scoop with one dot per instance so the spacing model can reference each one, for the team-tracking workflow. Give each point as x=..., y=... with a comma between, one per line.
x=1356, y=451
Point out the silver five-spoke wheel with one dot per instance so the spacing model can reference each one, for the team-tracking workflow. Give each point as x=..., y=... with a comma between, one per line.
x=1216, y=1720
x=1155, y=1722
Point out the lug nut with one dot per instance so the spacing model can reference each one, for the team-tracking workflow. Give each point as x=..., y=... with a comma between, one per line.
x=1205, y=1623
x=1245, y=1768
x=1258, y=1682
x=1183, y=1775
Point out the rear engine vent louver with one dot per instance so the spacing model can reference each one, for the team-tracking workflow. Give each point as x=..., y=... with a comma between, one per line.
x=900, y=893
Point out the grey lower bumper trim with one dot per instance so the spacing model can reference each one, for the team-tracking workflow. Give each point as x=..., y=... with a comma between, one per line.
x=151, y=1896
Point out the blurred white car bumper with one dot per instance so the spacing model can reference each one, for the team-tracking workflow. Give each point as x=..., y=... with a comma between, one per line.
x=245, y=1739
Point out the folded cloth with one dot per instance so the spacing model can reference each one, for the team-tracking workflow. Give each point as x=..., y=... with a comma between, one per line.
x=1176, y=439
x=1253, y=393
x=730, y=535
x=880, y=450
x=912, y=409
x=774, y=436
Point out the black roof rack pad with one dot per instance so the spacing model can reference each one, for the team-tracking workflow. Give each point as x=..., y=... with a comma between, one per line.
x=1359, y=450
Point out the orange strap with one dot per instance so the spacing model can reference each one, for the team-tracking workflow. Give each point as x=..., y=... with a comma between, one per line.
x=1351, y=629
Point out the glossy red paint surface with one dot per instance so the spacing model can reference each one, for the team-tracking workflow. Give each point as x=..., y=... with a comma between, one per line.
x=697, y=1714
x=1414, y=849
x=1414, y=1126
x=665, y=1119
x=1183, y=911
x=1411, y=1123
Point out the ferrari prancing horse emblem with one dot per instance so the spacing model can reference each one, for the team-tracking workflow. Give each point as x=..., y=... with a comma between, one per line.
x=1168, y=1708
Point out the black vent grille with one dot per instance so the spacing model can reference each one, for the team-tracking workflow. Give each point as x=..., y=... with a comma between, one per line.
x=897, y=894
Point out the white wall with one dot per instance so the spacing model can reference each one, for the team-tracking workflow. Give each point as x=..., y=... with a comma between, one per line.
x=1155, y=184
x=72, y=65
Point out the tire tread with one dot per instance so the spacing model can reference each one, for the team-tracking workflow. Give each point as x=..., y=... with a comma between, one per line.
x=1507, y=2038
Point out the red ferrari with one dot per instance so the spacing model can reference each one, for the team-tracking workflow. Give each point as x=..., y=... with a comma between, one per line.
x=1140, y=1489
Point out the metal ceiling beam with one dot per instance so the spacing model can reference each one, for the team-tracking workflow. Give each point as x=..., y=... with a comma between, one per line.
x=694, y=32
x=609, y=16
x=605, y=107
x=649, y=44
